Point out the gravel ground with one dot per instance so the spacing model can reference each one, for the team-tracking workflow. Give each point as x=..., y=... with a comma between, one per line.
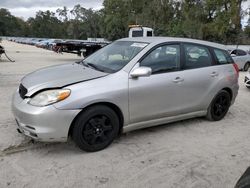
x=193, y=153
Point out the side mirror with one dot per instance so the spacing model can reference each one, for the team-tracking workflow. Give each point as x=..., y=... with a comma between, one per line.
x=233, y=55
x=141, y=72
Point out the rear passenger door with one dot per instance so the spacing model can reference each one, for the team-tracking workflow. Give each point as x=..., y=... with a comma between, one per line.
x=199, y=75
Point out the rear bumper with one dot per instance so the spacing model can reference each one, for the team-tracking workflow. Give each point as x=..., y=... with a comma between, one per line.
x=47, y=124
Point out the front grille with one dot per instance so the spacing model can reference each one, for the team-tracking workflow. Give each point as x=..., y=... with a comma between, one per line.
x=22, y=91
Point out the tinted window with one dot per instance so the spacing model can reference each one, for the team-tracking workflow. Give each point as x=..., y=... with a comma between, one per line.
x=234, y=52
x=196, y=56
x=241, y=53
x=137, y=33
x=163, y=59
x=149, y=33
x=222, y=57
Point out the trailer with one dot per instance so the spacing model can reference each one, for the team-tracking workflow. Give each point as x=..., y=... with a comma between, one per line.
x=80, y=47
x=86, y=47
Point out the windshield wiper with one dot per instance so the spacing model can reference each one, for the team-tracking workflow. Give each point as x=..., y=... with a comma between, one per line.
x=93, y=66
x=79, y=62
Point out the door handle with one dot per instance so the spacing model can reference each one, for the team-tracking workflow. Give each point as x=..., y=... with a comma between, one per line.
x=214, y=74
x=178, y=79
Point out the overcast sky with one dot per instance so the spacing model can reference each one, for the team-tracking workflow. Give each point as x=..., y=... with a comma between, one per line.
x=245, y=6
x=28, y=8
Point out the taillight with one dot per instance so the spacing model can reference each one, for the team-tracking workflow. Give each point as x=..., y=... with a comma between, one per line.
x=236, y=69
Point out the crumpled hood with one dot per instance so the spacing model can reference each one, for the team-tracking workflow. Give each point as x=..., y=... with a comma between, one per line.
x=58, y=76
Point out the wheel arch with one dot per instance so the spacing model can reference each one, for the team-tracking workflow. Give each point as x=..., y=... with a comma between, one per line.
x=209, y=115
x=108, y=104
x=229, y=91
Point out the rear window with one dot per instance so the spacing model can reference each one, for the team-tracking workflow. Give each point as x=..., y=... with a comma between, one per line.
x=222, y=56
x=137, y=33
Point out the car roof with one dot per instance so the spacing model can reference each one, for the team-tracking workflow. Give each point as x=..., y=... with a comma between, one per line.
x=173, y=39
x=239, y=49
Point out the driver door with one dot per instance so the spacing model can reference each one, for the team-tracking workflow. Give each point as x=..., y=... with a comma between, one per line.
x=158, y=95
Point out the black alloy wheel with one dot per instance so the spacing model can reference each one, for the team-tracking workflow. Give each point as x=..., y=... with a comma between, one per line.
x=95, y=128
x=219, y=106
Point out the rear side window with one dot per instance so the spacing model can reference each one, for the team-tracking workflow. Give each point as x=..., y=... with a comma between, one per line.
x=196, y=56
x=222, y=56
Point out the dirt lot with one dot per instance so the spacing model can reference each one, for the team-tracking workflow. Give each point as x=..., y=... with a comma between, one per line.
x=194, y=153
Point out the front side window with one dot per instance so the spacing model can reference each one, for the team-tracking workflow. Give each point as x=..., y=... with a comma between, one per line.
x=222, y=56
x=196, y=56
x=114, y=56
x=163, y=59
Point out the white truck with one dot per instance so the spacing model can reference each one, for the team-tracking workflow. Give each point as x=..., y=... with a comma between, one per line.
x=139, y=31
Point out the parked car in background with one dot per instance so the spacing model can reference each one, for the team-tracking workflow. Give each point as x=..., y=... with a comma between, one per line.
x=247, y=80
x=48, y=43
x=52, y=43
x=241, y=58
x=42, y=44
x=130, y=84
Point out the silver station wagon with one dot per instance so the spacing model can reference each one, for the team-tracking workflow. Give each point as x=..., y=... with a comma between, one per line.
x=130, y=84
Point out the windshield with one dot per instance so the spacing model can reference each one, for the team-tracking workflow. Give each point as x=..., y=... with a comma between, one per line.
x=114, y=56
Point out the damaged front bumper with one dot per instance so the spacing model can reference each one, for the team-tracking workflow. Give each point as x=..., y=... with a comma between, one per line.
x=47, y=124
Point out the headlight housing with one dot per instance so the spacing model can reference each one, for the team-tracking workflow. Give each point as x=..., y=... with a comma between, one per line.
x=48, y=97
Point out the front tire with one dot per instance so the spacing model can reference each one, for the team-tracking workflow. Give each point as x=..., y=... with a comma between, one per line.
x=95, y=128
x=219, y=106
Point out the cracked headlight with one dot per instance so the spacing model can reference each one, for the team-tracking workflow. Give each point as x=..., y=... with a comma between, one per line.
x=48, y=97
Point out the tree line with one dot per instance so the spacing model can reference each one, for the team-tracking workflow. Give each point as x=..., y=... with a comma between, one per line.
x=212, y=20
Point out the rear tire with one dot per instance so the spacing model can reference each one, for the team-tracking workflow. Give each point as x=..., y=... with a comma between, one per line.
x=95, y=128
x=219, y=106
